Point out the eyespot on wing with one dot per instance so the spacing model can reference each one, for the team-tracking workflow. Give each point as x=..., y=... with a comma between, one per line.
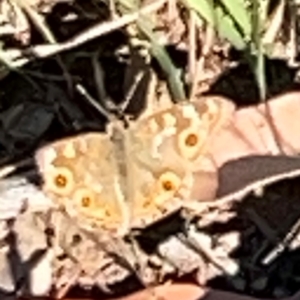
x=59, y=181
x=95, y=209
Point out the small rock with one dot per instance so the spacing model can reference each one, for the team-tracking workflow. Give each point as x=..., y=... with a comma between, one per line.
x=259, y=284
x=41, y=275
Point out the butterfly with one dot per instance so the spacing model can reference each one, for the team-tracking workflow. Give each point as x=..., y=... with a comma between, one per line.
x=130, y=177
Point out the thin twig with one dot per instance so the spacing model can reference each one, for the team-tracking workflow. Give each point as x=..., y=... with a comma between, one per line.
x=79, y=87
x=283, y=245
x=42, y=51
x=192, y=36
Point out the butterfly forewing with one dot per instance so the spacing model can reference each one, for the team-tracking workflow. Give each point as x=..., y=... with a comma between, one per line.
x=163, y=167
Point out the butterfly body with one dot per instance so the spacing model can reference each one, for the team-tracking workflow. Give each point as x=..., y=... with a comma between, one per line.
x=132, y=176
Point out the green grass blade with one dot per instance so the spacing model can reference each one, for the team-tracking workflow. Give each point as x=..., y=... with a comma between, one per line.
x=257, y=48
x=173, y=74
x=227, y=29
x=204, y=8
x=220, y=20
x=240, y=14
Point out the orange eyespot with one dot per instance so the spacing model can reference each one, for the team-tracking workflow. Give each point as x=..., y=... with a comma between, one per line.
x=168, y=185
x=191, y=140
x=85, y=201
x=169, y=181
x=84, y=198
x=60, y=181
x=92, y=208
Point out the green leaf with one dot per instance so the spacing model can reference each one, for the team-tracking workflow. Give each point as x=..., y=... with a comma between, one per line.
x=159, y=52
x=227, y=29
x=204, y=8
x=173, y=75
x=220, y=20
x=240, y=14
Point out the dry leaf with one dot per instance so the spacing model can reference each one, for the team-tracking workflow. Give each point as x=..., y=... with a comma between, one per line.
x=257, y=148
x=186, y=291
x=180, y=291
x=250, y=132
